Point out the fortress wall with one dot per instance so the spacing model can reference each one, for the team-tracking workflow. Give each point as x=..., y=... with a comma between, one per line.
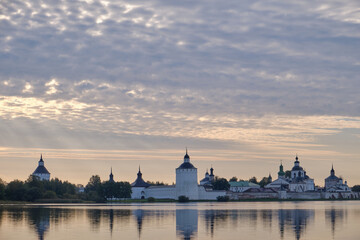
x=255, y=195
x=209, y=195
x=303, y=195
x=161, y=192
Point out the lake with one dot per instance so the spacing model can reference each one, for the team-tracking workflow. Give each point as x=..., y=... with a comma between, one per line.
x=197, y=220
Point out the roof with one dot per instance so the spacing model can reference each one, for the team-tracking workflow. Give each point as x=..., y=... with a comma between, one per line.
x=332, y=177
x=186, y=165
x=205, y=179
x=243, y=184
x=41, y=170
x=296, y=168
x=139, y=182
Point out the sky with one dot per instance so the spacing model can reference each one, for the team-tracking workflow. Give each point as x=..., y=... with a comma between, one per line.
x=242, y=84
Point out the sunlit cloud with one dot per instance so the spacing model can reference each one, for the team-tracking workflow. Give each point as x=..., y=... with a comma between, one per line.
x=239, y=81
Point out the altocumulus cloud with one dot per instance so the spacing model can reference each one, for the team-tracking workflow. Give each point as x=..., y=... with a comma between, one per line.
x=265, y=73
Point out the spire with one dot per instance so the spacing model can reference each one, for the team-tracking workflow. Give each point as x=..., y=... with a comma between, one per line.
x=139, y=173
x=186, y=157
x=332, y=172
x=41, y=161
x=111, y=176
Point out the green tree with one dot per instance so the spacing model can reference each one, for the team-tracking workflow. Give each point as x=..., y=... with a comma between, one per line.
x=264, y=181
x=33, y=194
x=356, y=188
x=94, y=189
x=220, y=184
x=233, y=179
x=2, y=189
x=253, y=180
x=15, y=191
x=124, y=189
x=288, y=174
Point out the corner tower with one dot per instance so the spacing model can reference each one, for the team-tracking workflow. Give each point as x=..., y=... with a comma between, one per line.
x=186, y=179
x=41, y=172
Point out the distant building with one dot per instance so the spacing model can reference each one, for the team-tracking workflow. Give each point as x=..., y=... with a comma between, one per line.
x=138, y=187
x=41, y=172
x=242, y=186
x=299, y=181
x=186, y=185
x=208, y=179
x=335, y=184
x=280, y=183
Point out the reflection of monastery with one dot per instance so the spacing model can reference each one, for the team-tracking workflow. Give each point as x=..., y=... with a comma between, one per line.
x=295, y=185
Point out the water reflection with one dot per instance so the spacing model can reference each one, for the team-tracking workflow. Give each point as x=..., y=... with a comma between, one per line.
x=334, y=218
x=295, y=220
x=109, y=221
x=186, y=223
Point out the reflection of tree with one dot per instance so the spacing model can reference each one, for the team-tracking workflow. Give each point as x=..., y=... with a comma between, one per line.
x=295, y=219
x=186, y=223
x=15, y=214
x=335, y=217
x=94, y=216
x=266, y=216
x=1, y=215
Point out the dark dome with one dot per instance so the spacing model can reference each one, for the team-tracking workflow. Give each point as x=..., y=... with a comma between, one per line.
x=296, y=168
x=332, y=178
x=186, y=165
x=139, y=182
x=41, y=170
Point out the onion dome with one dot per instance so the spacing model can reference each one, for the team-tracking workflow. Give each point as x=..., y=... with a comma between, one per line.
x=281, y=171
x=297, y=165
x=186, y=164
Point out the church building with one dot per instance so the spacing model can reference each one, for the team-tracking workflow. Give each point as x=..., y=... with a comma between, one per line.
x=335, y=184
x=298, y=181
x=41, y=172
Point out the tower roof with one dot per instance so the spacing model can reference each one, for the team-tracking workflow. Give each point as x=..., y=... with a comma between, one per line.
x=186, y=164
x=139, y=182
x=41, y=169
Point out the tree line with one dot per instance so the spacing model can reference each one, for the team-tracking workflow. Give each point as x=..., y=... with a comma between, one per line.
x=33, y=189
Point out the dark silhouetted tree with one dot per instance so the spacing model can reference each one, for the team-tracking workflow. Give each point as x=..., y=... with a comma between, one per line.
x=220, y=184
x=233, y=179
x=253, y=180
x=356, y=188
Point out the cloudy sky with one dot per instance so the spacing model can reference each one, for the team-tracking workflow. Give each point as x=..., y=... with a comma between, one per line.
x=242, y=84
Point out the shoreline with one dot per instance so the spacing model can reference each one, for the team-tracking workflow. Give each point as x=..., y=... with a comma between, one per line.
x=130, y=201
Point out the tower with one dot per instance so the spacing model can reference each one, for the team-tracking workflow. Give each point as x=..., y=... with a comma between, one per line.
x=281, y=173
x=111, y=176
x=41, y=172
x=186, y=179
x=211, y=176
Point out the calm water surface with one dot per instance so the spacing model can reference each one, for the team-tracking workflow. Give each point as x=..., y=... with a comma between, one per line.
x=255, y=220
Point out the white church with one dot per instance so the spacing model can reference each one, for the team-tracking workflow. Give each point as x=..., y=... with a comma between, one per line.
x=298, y=182
x=186, y=185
